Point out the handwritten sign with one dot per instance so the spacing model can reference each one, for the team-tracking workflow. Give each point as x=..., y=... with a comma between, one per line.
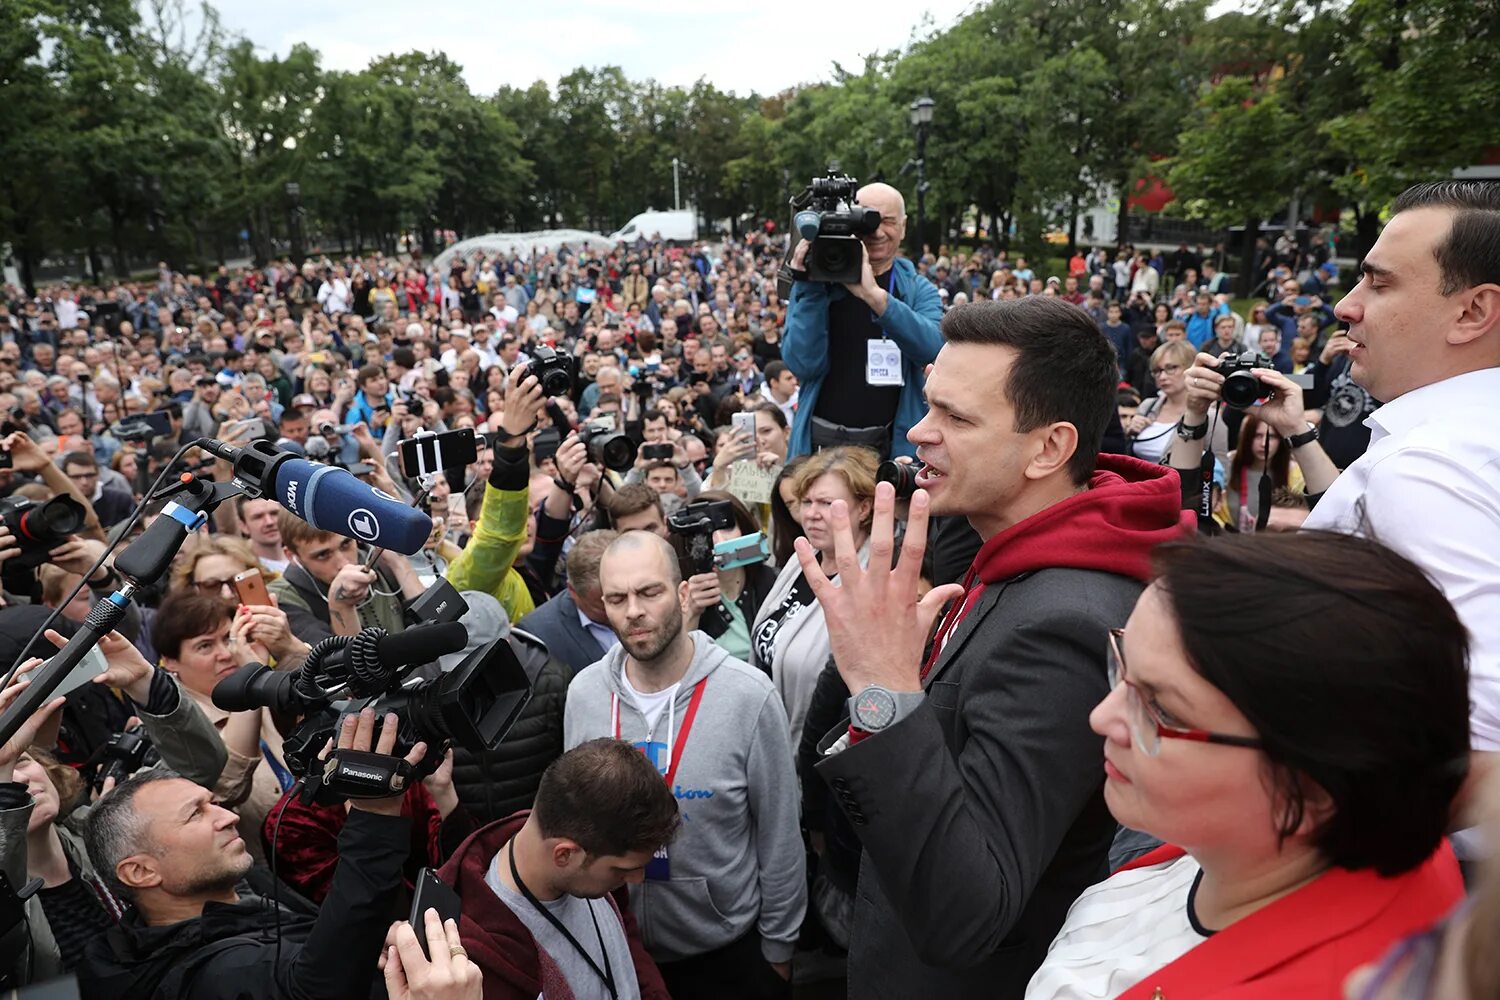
x=751, y=483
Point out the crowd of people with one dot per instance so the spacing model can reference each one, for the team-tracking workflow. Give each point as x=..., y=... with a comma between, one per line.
x=958, y=631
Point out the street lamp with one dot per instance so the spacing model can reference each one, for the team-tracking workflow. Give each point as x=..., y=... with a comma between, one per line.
x=295, y=216
x=676, y=187
x=921, y=118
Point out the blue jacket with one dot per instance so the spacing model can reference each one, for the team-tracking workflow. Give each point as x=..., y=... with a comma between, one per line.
x=1285, y=318
x=911, y=319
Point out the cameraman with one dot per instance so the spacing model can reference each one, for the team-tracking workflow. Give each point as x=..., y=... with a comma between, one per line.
x=831, y=330
x=196, y=928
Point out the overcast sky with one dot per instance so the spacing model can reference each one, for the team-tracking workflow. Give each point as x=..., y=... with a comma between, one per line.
x=761, y=45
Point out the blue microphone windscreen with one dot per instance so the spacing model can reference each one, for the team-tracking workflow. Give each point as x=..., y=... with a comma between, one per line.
x=331, y=499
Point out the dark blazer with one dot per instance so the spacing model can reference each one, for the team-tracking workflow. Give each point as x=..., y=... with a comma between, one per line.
x=556, y=624
x=982, y=812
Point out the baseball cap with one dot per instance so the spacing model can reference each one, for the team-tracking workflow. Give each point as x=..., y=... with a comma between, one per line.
x=415, y=330
x=305, y=399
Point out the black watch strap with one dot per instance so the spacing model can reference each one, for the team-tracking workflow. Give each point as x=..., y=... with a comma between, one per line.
x=1192, y=432
x=1307, y=437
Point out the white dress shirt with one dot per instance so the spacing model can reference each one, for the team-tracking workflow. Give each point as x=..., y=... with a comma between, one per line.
x=1429, y=487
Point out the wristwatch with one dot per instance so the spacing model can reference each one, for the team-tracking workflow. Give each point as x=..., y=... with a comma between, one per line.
x=1190, y=432
x=876, y=708
x=1305, y=438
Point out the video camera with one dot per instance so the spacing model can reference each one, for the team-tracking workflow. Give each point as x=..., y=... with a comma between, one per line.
x=474, y=705
x=122, y=755
x=828, y=217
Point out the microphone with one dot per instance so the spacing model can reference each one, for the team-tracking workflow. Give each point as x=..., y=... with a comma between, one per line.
x=332, y=499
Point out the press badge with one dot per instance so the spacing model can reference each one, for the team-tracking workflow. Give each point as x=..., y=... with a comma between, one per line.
x=883, y=363
x=659, y=868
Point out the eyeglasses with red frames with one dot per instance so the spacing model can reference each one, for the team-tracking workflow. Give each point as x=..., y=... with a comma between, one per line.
x=1146, y=724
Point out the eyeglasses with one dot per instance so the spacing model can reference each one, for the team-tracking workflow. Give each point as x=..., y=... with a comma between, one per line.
x=213, y=586
x=1146, y=725
x=1165, y=370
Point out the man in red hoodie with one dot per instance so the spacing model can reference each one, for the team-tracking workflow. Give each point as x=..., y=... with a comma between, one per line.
x=544, y=911
x=972, y=780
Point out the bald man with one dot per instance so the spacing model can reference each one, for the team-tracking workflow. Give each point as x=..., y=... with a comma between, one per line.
x=859, y=350
x=716, y=730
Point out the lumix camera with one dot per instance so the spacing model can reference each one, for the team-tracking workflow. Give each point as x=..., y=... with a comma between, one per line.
x=829, y=218
x=554, y=371
x=473, y=705
x=694, y=525
x=607, y=446
x=1241, y=389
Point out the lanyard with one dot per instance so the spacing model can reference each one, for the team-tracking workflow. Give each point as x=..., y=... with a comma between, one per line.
x=674, y=748
x=607, y=974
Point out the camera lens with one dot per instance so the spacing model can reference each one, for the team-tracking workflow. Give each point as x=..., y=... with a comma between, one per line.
x=556, y=383
x=901, y=475
x=1242, y=390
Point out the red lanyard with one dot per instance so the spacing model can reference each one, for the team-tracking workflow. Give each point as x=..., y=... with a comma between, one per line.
x=682, y=734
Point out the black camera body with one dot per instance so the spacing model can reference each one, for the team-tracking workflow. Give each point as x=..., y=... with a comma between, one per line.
x=553, y=371
x=833, y=223
x=124, y=754
x=38, y=528
x=1241, y=389
x=694, y=526
x=606, y=446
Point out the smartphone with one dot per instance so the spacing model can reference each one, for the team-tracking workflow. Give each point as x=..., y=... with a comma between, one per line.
x=92, y=665
x=432, y=894
x=430, y=453
x=318, y=357
x=743, y=423
x=1304, y=300
x=5, y=459
x=251, y=588
x=656, y=452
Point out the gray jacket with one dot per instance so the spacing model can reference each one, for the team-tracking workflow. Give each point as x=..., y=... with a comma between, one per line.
x=736, y=864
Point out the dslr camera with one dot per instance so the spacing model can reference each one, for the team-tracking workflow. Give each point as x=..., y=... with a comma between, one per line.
x=38, y=528
x=607, y=446
x=832, y=222
x=901, y=475
x=1241, y=389
x=553, y=371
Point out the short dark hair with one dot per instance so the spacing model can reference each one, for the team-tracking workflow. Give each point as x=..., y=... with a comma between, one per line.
x=1470, y=254
x=652, y=414
x=85, y=458
x=1375, y=711
x=608, y=798
x=367, y=372
x=184, y=615
x=775, y=369
x=632, y=499
x=1064, y=370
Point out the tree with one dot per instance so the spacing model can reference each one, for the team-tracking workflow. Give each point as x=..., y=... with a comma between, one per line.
x=1233, y=117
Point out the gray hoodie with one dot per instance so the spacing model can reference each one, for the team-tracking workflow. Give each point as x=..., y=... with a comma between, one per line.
x=736, y=864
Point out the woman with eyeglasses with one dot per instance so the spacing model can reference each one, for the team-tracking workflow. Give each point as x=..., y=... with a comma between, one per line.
x=1300, y=759
x=1151, y=431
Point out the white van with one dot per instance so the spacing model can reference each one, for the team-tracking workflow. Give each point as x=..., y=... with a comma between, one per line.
x=674, y=227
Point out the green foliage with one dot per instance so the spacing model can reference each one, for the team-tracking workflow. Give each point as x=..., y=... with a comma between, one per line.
x=125, y=134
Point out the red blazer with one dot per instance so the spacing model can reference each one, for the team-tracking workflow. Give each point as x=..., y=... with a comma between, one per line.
x=1303, y=945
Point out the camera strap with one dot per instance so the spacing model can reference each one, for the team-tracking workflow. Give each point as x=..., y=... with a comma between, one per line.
x=606, y=974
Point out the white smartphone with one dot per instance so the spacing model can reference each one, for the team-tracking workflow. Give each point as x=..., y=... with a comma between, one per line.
x=744, y=424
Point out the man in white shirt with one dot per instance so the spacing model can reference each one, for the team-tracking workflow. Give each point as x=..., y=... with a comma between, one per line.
x=1425, y=325
x=780, y=387
x=334, y=293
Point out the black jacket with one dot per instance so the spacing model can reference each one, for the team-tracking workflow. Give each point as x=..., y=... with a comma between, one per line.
x=229, y=953
x=493, y=784
x=982, y=812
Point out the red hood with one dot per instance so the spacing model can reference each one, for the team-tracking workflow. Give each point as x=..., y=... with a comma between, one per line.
x=1130, y=507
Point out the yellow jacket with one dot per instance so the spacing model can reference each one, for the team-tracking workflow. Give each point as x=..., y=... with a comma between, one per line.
x=487, y=562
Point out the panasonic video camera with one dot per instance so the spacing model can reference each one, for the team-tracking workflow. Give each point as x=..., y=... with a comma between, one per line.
x=828, y=217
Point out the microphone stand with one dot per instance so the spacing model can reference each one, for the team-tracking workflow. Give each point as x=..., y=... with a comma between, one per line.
x=146, y=559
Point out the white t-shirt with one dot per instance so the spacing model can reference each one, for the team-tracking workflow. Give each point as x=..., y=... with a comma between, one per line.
x=649, y=705
x=1121, y=931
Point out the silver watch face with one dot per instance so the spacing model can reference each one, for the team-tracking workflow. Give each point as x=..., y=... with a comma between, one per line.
x=874, y=709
